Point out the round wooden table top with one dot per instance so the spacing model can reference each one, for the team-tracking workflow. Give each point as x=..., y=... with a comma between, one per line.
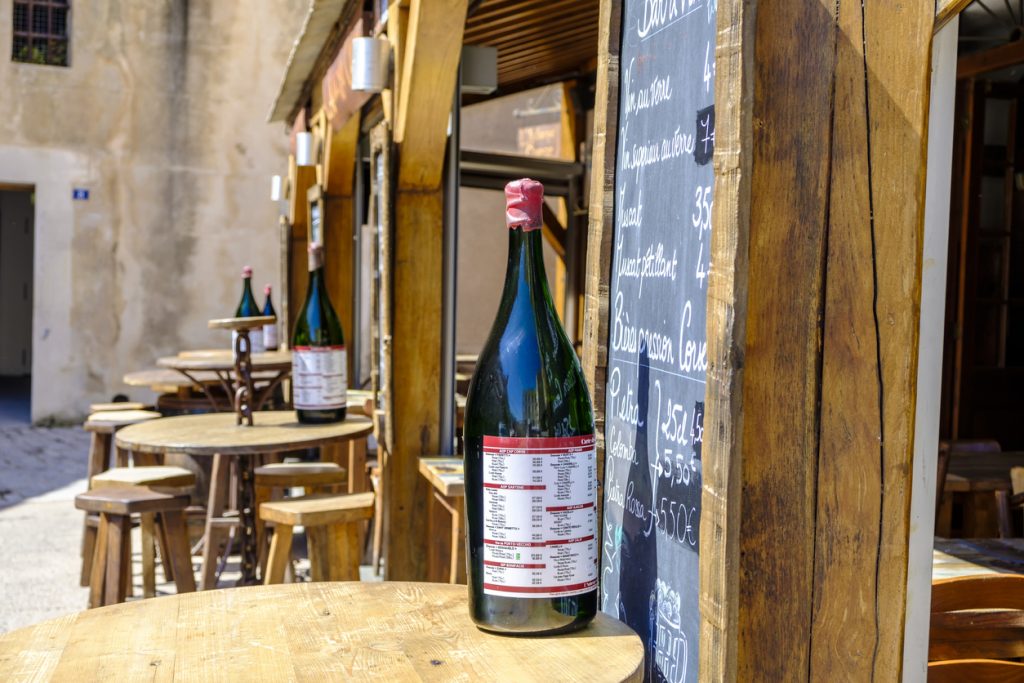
x=324, y=631
x=225, y=361
x=212, y=433
x=164, y=381
x=250, y=323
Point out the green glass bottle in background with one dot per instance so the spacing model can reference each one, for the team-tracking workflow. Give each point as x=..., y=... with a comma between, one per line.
x=530, y=462
x=319, y=381
x=247, y=308
x=270, y=336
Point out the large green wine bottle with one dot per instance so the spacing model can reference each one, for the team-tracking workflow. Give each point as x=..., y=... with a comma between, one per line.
x=248, y=308
x=530, y=464
x=319, y=383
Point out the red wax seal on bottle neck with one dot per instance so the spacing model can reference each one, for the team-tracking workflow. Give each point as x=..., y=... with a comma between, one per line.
x=523, y=200
x=247, y=271
x=266, y=290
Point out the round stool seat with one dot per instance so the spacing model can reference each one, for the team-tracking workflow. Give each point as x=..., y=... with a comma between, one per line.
x=286, y=475
x=118, y=405
x=167, y=476
x=108, y=421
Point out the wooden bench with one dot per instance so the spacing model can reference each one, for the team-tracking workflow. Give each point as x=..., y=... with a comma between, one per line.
x=332, y=526
x=110, y=574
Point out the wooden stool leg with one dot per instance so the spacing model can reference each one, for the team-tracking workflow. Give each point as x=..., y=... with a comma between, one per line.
x=97, y=575
x=319, y=553
x=357, y=465
x=88, y=549
x=280, y=554
x=173, y=524
x=262, y=495
x=117, y=569
x=165, y=553
x=458, y=555
x=344, y=552
x=378, y=525
x=214, y=534
x=99, y=461
x=147, y=524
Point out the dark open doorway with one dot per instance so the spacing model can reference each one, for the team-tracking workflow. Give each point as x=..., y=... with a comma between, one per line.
x=17, y=212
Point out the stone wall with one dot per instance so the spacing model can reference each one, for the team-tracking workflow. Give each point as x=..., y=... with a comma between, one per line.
x=161, y=116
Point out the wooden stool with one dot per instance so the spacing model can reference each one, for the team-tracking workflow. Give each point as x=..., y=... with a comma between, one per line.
x=168, y=479
x=102, y=426
x=119, y=405
x=332, y=526
x=111, y=567
x=312, y=477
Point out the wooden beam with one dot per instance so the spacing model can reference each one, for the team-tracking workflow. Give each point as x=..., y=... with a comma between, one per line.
x=553, y=231
x=945, y=10
x=601, y=226
x=339, y=263
x=978, y=63
x=340, y=148
x=302, y=178
x=433, y=48
x=721, y=520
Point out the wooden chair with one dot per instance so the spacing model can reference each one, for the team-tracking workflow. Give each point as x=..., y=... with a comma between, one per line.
x=168, y=479
x=332, y=526
x=975, y=671
x=976, y=506
x=1008, y=501
x=111, y=567
x=978, y=616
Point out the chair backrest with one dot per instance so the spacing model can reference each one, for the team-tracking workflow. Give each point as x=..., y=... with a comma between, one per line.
x=979, y=616
x=976, y=671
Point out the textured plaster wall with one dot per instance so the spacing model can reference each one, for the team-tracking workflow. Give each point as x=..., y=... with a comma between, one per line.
x=161, y=117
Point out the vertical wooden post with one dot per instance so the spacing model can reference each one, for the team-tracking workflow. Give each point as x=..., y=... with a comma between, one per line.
x=301, y=178
x=340, y=148
x=812, y=334
x=431, y=49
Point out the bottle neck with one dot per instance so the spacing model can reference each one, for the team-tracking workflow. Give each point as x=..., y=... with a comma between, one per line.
x=525, y=278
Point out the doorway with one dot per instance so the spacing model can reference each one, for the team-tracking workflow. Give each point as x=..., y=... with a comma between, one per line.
x=17, y=219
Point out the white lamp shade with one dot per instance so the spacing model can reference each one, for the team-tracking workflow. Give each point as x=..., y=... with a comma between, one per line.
x=370, y=62
x=304, y=149
x=275, y=188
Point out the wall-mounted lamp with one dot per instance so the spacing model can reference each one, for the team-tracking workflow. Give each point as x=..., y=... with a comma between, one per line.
x=304, y=149
x=275, y=188
x=370, y=63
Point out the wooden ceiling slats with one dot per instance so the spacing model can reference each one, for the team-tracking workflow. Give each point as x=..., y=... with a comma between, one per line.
x=538, y=41
x=540, y=30
x=513, y=26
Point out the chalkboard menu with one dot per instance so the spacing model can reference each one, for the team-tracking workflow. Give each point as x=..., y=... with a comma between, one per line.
x=657, y=346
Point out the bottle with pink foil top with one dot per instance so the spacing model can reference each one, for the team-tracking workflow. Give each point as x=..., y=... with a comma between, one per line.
x=530, y=464
x=248, y=308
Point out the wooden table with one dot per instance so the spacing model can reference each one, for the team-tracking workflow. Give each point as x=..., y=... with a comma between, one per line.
x=217, y=435
x=446, y=521
x=271, y=368
x=976, y=477
x=310, y=631
x=965, y=557
x=164, y=381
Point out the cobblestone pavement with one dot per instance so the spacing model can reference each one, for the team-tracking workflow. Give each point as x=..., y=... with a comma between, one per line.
x=41, y=471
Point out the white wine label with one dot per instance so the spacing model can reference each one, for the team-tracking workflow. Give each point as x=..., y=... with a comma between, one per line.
x=540, y=516
x=319, y=381
x=256, y=344
x=270, y=336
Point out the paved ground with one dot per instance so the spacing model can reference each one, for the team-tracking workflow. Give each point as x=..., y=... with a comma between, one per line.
x=41, y=470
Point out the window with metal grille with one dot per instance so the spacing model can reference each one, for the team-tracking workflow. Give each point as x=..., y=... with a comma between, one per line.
x=41, y=32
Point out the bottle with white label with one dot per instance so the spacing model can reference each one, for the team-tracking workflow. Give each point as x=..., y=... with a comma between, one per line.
x=269, y=330
x=530, y=465
x=319, y=382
